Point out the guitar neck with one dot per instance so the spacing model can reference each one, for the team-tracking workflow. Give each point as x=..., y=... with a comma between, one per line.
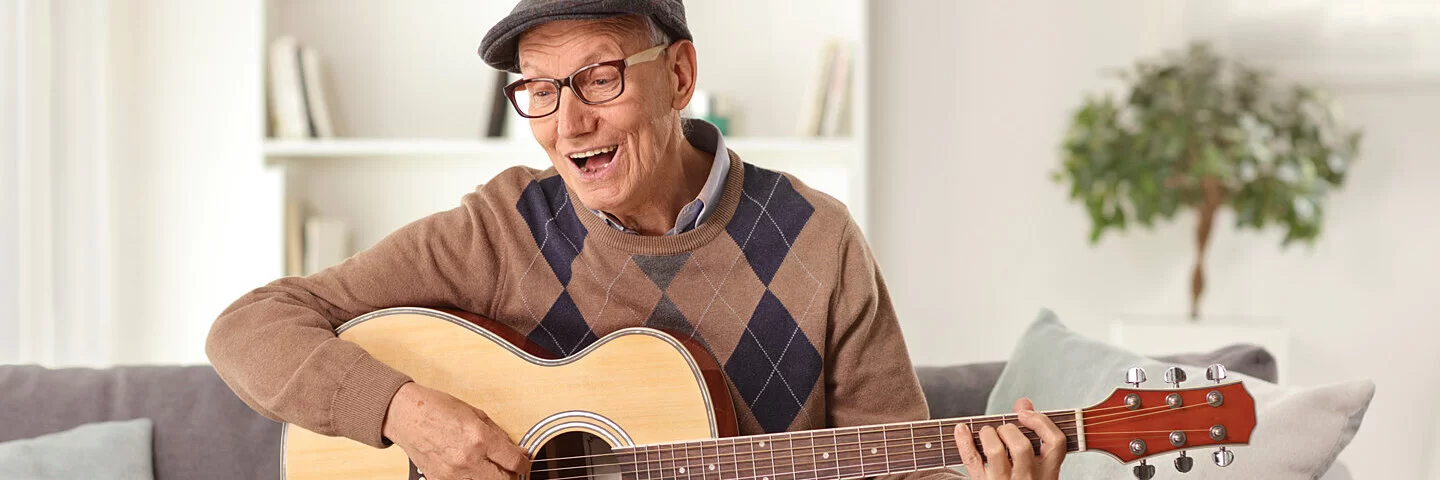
x=837, y=453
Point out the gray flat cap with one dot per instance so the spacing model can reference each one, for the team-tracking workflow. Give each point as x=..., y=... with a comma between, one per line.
x=498, y=47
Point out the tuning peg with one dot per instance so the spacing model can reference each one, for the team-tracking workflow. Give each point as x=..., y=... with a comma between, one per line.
x=1144, y=471
x=1174, y=376
x=1224, y=457
x=1215, y=372
x=1184, y=463
x=1135, y=376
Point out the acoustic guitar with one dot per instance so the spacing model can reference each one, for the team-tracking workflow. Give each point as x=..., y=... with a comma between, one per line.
x=640, y=404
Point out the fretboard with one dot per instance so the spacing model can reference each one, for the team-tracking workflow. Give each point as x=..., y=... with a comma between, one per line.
x=832, y=454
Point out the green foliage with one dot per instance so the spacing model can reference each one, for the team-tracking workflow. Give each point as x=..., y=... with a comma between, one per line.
x=1191, y=117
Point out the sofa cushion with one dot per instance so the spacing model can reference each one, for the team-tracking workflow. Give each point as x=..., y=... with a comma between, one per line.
x=110, y=450
x=962, y=390
x=202, y=430
x=1298, y=432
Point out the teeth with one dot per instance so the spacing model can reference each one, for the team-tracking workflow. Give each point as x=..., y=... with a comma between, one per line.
x=592, y=153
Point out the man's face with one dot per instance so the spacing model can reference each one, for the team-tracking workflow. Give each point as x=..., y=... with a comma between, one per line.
x=630, y=130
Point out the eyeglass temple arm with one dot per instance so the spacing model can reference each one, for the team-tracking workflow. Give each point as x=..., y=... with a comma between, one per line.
x=645, y=56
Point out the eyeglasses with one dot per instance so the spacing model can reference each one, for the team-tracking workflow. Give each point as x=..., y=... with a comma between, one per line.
x=593, y=84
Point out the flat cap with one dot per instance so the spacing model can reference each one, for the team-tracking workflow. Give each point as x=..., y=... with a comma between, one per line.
x=498, y=47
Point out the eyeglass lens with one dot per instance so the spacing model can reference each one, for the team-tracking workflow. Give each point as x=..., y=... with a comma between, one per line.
x=597, y=84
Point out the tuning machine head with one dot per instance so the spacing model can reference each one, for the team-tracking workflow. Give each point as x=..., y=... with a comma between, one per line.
x=1144, y=471
x=1224, y=457
x=1216, y=373
x=1184, y=463
x=1175, y=376
x=1135, y=376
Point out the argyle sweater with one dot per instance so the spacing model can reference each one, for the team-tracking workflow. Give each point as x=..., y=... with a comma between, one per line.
x=779, y=284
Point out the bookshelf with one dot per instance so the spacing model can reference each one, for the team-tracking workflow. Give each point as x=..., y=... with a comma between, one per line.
x=410, y=103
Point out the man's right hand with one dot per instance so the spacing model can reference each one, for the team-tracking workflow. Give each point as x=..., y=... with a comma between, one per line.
x=448, y=439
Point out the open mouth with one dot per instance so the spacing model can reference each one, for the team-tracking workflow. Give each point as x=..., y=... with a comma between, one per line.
x=594, y=161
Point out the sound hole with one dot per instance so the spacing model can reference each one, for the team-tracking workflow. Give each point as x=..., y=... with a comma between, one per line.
x=575, y=456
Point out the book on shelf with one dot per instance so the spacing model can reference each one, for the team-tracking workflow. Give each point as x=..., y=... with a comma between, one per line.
x=327, y=243
x=299, y=100
x=500, y=108
x=825, y=110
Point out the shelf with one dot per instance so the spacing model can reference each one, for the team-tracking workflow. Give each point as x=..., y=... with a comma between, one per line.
x=377, y=147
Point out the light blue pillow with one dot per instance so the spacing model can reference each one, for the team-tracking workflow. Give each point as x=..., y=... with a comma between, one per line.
x=1298, y=432
x=109, y=450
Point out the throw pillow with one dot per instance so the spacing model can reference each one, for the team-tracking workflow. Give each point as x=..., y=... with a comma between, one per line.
x=1298, y=432
x=110, y=450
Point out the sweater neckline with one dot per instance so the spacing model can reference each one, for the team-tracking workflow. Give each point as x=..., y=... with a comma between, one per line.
x=670, y=244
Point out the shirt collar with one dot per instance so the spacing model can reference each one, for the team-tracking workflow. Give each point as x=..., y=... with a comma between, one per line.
x=707, y=138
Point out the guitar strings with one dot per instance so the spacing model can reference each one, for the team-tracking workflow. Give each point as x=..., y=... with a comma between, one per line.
x=1001, y=419
x=917, y=458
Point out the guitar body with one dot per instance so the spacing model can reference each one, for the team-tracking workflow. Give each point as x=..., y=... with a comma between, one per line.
x=635, y=386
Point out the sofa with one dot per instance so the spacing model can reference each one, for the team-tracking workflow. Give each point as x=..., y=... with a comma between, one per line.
x=202, y=430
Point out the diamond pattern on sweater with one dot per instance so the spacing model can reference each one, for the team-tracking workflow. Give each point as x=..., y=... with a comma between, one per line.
x=558, y=233
x=770, y=215
x=775, y=366
x=563, y=331
x=661, y=270
x=546, y=208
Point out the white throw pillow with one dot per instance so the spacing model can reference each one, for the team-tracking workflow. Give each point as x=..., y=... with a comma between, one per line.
x=109, y=450
x=1298, y=431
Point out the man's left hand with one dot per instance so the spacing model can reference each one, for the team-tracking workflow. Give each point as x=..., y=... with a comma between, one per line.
x=1010, y=453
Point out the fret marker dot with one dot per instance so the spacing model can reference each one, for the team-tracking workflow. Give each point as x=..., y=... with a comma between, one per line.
x=682, y=469
x=825, y=455
x=762, y=444
x=874, y=451
x=927, y=444
x=712, y=466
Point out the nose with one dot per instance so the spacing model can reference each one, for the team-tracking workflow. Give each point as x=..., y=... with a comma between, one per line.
x=574, y=116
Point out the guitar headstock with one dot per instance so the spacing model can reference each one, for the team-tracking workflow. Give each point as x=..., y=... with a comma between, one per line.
x=1136, y=424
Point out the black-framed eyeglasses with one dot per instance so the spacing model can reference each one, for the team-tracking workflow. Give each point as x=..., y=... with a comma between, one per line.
x=593, y=84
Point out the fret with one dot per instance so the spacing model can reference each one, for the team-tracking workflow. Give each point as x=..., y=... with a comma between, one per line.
x=782, y=458
x=802, y=456
x=667, y=461
x=873, y=452
x=767, y=471
x=709, y=469
x=860, y=451
x=750, y=452
x=728, y=459
x=649, y=462
x=901, y=443
x=885, y=441
x=914, y=449
x=941, y=435
x=827, y=455
x=694, y=461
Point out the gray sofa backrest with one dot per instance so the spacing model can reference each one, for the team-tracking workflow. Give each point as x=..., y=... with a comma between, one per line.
x=202, y=430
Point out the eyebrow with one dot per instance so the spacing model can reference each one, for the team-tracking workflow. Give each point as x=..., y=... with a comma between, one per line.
x=591, y=59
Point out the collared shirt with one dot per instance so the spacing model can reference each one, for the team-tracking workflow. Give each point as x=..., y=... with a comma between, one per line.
x=707, y=138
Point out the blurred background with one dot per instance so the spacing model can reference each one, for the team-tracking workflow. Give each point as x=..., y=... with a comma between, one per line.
x=163, y=157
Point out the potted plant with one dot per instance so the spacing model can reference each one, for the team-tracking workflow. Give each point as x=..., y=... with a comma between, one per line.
x=1197, y=131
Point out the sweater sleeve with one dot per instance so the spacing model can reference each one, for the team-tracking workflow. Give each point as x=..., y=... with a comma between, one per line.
x=276, y=346
x=870, y=379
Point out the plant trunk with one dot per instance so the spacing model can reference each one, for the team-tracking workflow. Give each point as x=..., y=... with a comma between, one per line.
x=1211, y=193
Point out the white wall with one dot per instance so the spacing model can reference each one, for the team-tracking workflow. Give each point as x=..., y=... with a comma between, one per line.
x=974, y=237
x=196, y=216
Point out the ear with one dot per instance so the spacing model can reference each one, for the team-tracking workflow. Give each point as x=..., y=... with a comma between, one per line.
x=680, y=59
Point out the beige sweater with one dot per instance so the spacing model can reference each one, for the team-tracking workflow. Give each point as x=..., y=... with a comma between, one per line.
x=778, y=284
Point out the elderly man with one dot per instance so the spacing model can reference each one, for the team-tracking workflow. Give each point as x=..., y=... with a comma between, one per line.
x=645, y=219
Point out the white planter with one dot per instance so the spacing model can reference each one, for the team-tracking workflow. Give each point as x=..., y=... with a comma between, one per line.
x=1158, y=335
